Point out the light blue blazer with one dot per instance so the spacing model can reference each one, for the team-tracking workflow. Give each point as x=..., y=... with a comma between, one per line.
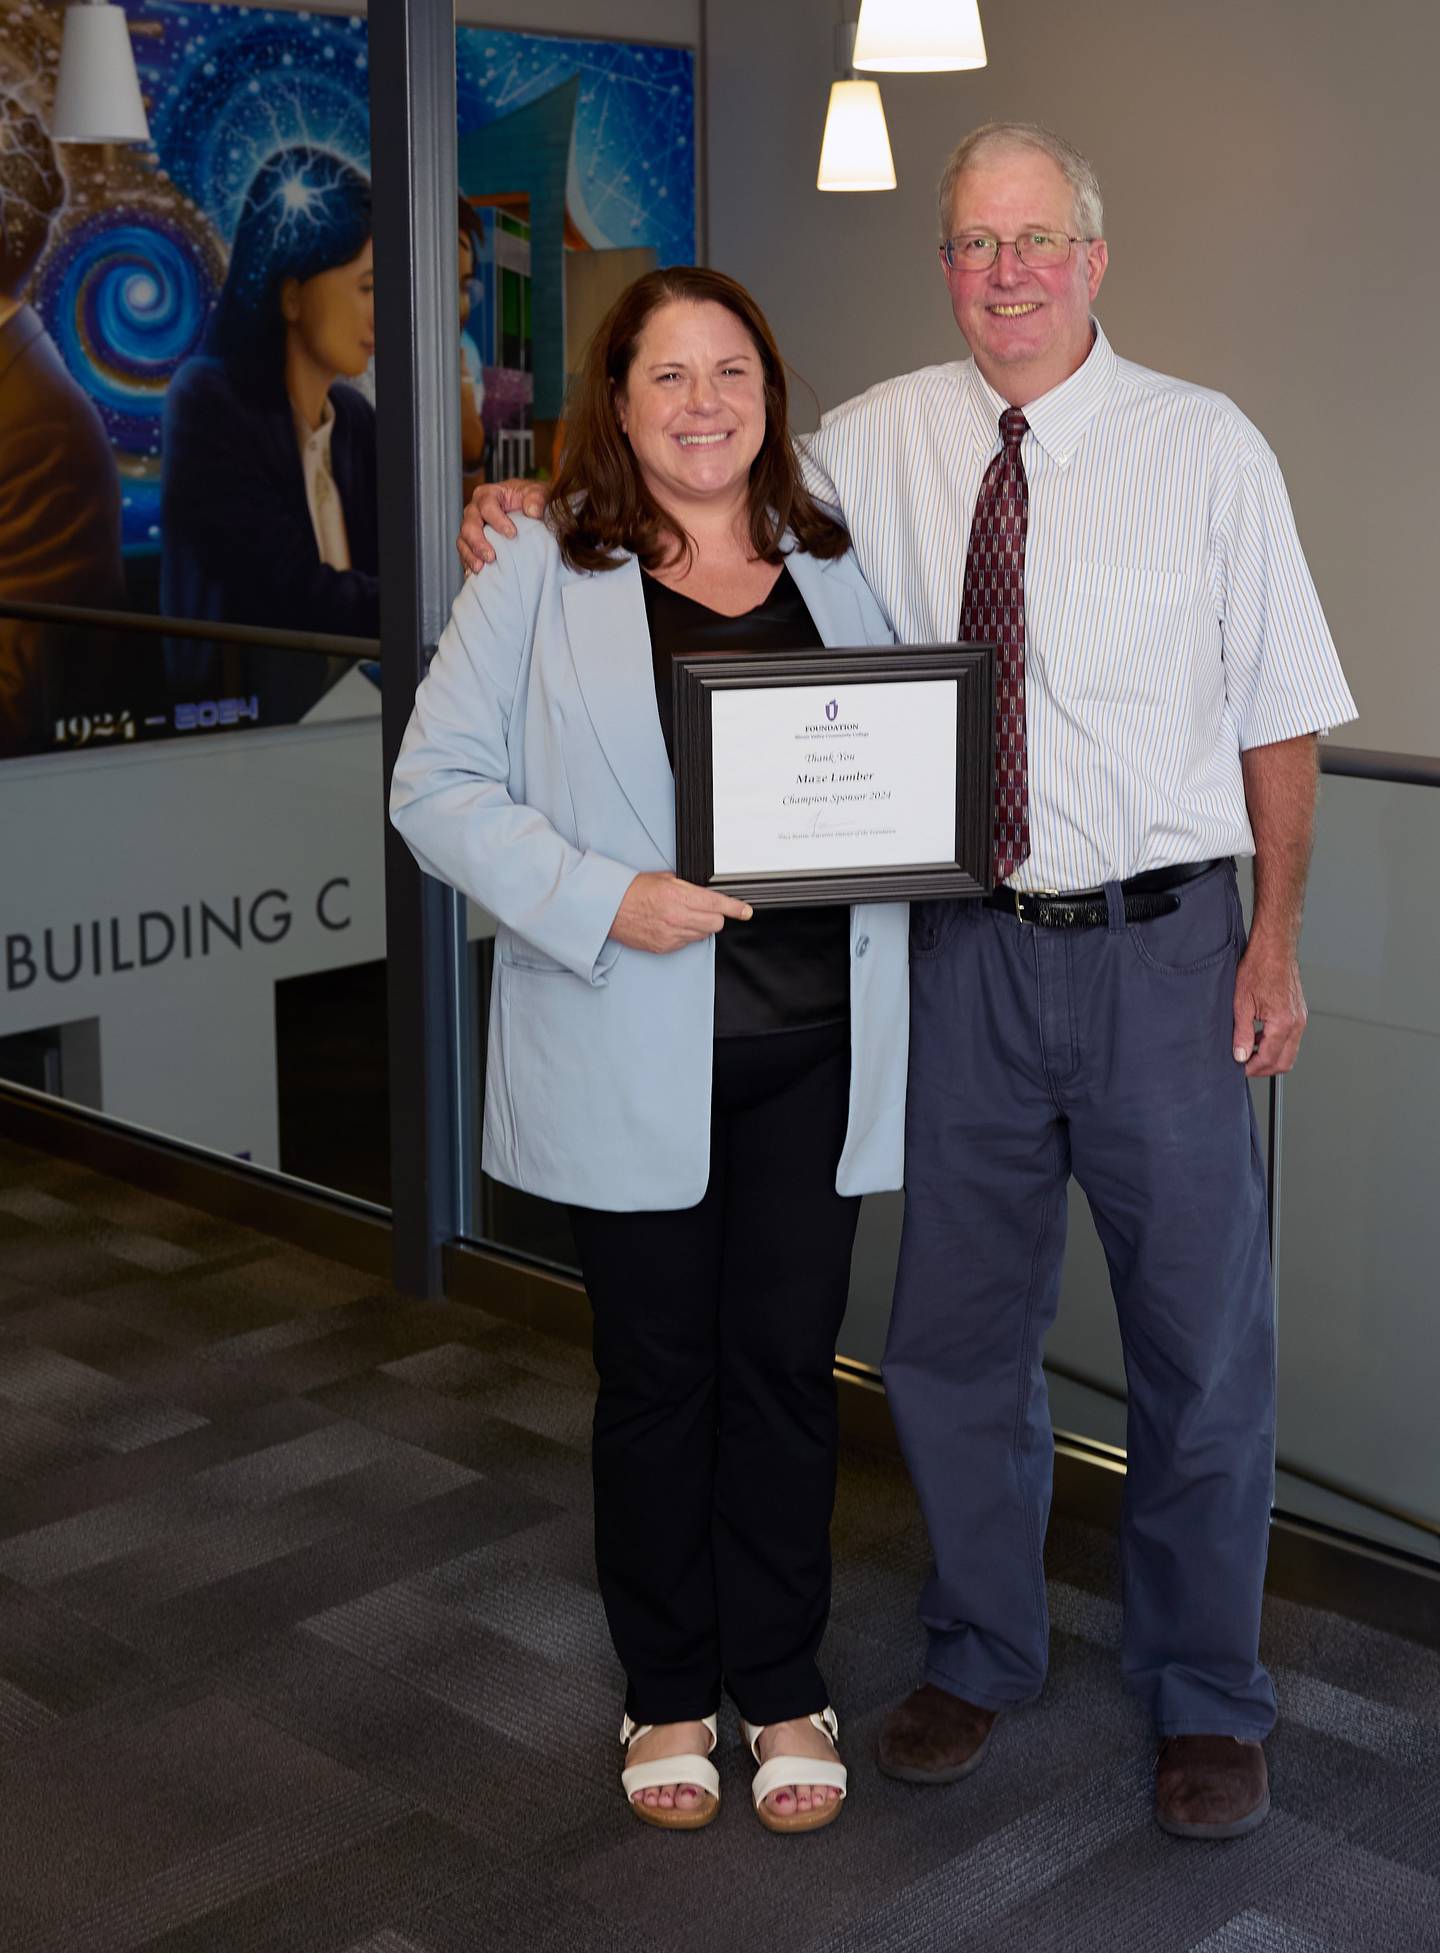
x=533, y=777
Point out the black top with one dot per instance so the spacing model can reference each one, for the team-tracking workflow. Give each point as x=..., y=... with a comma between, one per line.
x=785, y=969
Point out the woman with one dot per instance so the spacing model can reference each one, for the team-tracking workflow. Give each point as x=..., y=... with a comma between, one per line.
x=710, y=1091
x=268, y=499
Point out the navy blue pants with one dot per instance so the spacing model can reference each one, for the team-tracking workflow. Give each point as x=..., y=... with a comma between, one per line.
x=1104, y=1052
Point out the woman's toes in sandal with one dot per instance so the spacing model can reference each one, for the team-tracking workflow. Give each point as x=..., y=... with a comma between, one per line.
x=690, y=1781
x=798, y=1793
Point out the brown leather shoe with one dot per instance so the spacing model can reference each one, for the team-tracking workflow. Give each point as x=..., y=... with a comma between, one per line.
x=934, y=1737
x=1210, y=1787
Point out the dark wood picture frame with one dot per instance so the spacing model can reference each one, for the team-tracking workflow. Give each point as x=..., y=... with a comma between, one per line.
x=698, y=675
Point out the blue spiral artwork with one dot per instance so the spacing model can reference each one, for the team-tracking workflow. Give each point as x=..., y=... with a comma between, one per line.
x=126, y=297
x=129, y=282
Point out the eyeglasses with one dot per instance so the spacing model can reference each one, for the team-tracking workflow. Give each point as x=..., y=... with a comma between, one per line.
x=977, y=250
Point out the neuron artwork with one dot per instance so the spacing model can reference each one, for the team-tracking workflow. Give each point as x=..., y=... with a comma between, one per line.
x=32, y=190
x=138, y=247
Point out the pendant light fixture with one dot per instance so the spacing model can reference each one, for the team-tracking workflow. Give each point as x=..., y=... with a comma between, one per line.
x=97, y=97
x=855, y=149
x=919, y=36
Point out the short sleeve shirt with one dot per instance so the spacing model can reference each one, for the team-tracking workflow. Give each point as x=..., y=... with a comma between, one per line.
x=1171, y=620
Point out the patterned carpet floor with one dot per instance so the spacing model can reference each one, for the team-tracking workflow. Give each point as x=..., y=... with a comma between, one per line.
x=300, y=1649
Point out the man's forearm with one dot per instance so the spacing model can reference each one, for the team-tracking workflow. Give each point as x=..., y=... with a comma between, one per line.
x=1280, y=782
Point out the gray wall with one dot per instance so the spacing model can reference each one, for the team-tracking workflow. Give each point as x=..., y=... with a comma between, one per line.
x=1240, y=147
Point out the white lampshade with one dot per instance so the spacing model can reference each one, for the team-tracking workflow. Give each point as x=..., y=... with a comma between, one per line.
x=919, y=36
x=855, y=152
x=97, y=98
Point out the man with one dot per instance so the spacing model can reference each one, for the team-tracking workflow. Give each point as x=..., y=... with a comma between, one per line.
x=59, y=489
x=1163, y=667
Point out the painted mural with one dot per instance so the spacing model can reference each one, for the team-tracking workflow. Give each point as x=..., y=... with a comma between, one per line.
x=205, y=308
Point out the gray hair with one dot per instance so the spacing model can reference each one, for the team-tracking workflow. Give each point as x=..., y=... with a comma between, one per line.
x=1078, y=173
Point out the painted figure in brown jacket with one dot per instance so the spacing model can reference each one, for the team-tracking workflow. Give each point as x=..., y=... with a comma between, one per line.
x=59, y=489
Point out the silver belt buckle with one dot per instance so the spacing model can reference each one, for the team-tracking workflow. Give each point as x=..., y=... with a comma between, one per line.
x=1020, y=896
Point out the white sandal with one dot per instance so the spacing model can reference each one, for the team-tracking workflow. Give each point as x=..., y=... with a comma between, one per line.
x=782, y=1770
x=694, y=1770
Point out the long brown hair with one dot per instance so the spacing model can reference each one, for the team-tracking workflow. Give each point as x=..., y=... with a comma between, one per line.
x=599, y=504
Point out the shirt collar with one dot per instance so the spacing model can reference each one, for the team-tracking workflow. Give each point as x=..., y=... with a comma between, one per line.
x=1059, y=418
x=317, y=438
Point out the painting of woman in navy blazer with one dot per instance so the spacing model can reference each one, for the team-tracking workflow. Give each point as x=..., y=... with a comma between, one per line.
x=708, y=1090
x=268, y=509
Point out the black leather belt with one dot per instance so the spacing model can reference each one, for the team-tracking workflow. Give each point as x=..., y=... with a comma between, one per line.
x=1146, y=896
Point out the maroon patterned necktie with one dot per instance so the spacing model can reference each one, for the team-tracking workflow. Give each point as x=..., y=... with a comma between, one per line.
x=992, y=611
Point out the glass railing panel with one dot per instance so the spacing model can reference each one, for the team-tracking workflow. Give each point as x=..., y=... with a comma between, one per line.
x=872, y=1278
x=1359, y=1218
x=1359, y=1223
x=502, y=1216
x=193, y=931
x=1359, y=1236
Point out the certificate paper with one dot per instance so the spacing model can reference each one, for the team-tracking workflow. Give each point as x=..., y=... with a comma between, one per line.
x=811, y=777
x=836, y=773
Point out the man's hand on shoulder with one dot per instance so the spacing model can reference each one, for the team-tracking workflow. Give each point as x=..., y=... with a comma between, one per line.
x=1268, y=993
x=494, y=502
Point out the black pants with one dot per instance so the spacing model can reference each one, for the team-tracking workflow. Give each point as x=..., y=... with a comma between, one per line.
x=715, y=1424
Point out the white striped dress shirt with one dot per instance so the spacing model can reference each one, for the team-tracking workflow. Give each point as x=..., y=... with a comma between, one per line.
x=1170, y=618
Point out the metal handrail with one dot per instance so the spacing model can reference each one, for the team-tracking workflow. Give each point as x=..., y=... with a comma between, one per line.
x=323, y=644
x=1343, y=762
x=1399, y=769
x=1420, y=1522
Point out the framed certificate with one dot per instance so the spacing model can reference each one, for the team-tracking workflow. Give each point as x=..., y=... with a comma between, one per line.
x=861, y=775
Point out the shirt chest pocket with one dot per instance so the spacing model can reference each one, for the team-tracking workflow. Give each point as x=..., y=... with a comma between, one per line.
x=1117, y=634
